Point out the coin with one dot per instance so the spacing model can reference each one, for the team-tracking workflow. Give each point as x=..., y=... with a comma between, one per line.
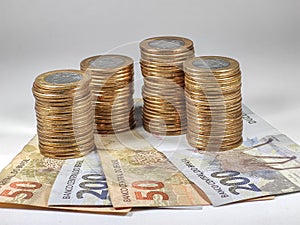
x=112, y=90
x=163, y=90
x=166, y=45
x=213, y=102
x=63, y=113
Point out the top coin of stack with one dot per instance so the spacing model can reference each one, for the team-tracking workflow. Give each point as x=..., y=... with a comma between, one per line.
x=163, y=91
x=112, y=88
x=64, y=114
x=214, y=102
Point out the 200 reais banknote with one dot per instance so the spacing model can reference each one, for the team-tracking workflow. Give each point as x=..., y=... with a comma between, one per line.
x=267, y=163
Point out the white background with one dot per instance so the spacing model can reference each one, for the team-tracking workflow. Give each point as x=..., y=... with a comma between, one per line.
x=264, y=36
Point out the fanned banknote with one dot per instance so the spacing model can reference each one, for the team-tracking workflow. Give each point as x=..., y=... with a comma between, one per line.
x=27, y=181
x=268, y=163
x=140, y=176
x=80, y=181
x=88, y=209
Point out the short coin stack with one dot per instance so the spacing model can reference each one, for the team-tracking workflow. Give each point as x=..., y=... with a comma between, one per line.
x=64, y=114
x=161, y=61
x=214, y=108
x=112, y=87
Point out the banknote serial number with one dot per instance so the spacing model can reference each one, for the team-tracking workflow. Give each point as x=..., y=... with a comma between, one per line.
x=235, y=182
x=93, y=184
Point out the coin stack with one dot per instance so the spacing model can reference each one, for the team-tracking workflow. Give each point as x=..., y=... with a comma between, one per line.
x=112, y=89
x=213, y=102
x=64, y=114
x=164, y=111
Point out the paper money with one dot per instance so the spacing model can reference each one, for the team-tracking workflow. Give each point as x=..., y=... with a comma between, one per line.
x=27, y=181
x=268, y=163
x=142, y=176
x=96, y=210
x=81, y=181
x=253, y=128
x=244, y=173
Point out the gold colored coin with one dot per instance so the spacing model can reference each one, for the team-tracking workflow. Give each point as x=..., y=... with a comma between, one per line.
x=64, y=113
x=213, y=102
x=112, y=90
x=163, y=91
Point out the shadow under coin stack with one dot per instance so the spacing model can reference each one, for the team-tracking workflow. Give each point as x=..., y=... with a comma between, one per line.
x=214, y=103
x=64, y=114
x=112, y=87
x=164, y=111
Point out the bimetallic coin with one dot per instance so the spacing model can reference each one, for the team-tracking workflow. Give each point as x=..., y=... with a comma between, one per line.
x=165, y=44
x=214, y=64
x=112, y=90
x=106, y=62
x=163, y=90
x=64, y=113
x=213, y=103
x=61, y=79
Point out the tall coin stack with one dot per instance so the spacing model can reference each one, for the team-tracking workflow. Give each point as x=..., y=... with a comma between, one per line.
x=64, y=114
x=164, y=111
x=214, y=103
x=112, y=87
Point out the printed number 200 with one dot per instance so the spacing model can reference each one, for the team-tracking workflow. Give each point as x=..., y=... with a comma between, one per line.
x=93, y=184
x=231, y=178
x=149, y=185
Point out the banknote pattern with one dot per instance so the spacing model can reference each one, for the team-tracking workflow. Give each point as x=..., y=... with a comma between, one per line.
x=29, y=177
x=27, y=182
x=81, y=181
x=266, y=164
x=138, y=169
x=145, y=177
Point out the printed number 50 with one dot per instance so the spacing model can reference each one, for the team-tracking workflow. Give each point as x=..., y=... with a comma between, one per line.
x=24, y=187
x=149, y=185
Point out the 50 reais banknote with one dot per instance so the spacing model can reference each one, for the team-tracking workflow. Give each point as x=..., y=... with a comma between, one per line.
x=142, y=176
x=27, y=182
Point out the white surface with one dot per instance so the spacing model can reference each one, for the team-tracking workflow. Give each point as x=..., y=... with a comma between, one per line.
x=264, y=36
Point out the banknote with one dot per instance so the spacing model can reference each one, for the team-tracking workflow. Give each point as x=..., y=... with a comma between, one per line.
x=140, y=176
x=80, y=181
x=87, y=209
x=267, y=163
x=270, y=167
x=254, y=127
x=27, y=181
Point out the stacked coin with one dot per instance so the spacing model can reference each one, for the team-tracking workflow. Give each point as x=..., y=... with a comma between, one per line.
x=112, y=88
x=64, y=114
x=161, y=61
x=214, y=102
